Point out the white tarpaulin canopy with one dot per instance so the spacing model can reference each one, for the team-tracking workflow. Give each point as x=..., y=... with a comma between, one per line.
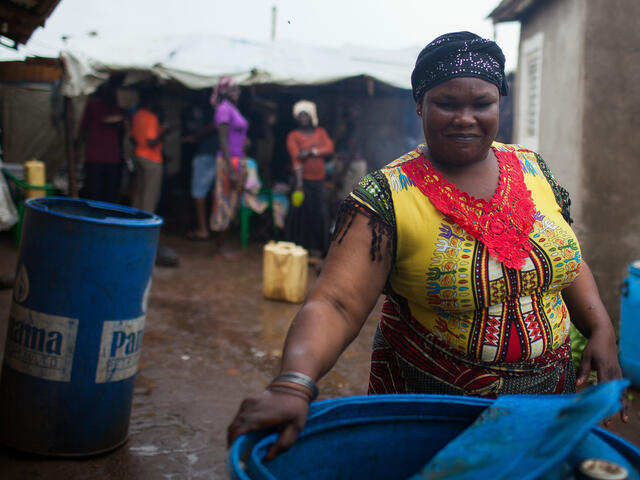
x=197, y=61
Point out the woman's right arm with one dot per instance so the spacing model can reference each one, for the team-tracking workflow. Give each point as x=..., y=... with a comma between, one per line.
x=330, y=319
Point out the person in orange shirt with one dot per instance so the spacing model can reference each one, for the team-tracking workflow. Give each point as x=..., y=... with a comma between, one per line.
x=147, y=134
x=309, y=145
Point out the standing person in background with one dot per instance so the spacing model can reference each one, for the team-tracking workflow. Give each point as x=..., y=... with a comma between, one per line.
x=308, y=146
x=203, y=171
x=232, y=134
x=147, y=133
x=101, y=130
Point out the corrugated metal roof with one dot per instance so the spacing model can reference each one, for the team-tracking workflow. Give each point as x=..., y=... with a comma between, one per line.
x=19, y=18
x=514, y=10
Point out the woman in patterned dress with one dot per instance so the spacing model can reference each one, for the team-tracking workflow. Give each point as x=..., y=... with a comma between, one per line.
x=230, y=164
x=469, y=240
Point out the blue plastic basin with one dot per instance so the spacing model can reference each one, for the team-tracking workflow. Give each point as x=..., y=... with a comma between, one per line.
x=385, y=437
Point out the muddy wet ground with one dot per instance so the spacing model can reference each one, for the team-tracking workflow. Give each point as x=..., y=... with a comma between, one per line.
x=210, y=340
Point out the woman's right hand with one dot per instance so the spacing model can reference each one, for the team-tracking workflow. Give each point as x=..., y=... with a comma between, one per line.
x=275, y=407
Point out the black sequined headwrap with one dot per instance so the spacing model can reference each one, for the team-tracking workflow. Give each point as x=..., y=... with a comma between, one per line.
x=459, y=54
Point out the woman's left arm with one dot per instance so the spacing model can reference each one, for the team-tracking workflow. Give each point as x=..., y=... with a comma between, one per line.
x=324, y=147
x=590, y=317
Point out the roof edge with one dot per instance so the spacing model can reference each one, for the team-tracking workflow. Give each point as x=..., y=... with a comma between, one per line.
x=514, y=10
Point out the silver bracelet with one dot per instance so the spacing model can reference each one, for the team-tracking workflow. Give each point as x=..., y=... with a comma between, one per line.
x=300, y=379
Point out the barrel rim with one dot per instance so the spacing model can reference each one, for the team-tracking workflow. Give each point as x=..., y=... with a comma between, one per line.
x=151, y=220
x=244, y=449
x=634, y=268
x=243, y=446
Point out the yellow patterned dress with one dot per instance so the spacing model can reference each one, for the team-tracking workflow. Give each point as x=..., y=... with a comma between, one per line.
x=474, y=302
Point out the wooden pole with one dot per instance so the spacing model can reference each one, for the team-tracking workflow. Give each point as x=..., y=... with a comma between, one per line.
x=69, y=143
x=71, y=156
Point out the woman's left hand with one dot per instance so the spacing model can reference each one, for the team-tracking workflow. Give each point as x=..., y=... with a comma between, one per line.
x=601, y=354
x=590, y=316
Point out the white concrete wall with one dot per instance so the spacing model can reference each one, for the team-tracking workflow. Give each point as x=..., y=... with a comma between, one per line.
x=589, y=126
x=561, y=24
x=611, y=142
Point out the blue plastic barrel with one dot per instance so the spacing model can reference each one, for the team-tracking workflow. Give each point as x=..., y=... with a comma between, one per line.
x=389, y=437
x=75, y=326
x=630, y=325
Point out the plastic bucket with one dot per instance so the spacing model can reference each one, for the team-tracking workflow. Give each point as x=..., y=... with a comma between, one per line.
x=75, y=326
x=630, y=325
x=385, y=437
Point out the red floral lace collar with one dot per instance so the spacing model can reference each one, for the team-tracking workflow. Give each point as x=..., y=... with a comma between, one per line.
x=502, y=224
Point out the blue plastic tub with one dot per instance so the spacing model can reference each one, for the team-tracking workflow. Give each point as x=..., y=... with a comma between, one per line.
x=75, y=326
x=386, y=437
x=630, y=325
